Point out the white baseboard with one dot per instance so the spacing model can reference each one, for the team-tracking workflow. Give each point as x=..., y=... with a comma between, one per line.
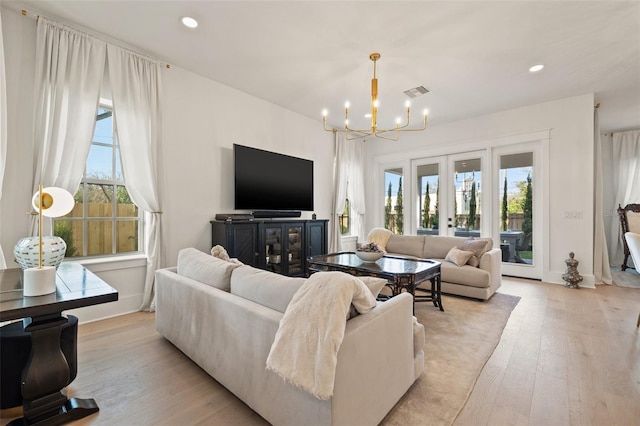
x=124, y=305
x=555, y=277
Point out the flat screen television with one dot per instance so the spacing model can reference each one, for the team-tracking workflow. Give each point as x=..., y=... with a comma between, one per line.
x=267, y=180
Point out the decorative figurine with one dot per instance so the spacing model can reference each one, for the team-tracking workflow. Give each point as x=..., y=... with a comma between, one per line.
x=572, y=277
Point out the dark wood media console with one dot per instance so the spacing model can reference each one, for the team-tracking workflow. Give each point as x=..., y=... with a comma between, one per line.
x=277, y=245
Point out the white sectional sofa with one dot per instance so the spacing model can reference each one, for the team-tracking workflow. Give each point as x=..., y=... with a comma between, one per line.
x=224, y=317
x=477, y=281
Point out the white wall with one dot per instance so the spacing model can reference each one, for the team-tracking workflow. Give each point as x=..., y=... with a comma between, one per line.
x=202, y=119
x=570, y=168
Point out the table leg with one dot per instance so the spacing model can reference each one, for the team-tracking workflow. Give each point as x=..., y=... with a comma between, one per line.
x=45, y=375
x=436, y=292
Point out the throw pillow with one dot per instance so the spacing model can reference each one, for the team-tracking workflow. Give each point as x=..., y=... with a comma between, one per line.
x=477, y=247
x=380, y=236
x=221, y=253
x=374, y=284
x=458, y=257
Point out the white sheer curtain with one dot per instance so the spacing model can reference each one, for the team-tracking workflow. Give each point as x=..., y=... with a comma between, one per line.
x=625, y=183
x=348, y=176
x=3, y=129
x=69, y=71
x=135, y=85
x=601, y=270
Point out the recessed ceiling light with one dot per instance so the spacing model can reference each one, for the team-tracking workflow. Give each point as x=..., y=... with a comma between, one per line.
x=536, y=68
x=188, y=21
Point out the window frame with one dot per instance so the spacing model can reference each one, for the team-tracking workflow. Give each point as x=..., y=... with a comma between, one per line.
x=113, y=182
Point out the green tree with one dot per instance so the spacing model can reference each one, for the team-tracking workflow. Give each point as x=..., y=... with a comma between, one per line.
x=472, y=207
x=516, y=201
x=399, y=208
x=436, y=214
x=63, y=230
x=527, y=208
x=456, y=217
x=505, y=211
x=387, y=210
x=425, y=209
x=122, y=195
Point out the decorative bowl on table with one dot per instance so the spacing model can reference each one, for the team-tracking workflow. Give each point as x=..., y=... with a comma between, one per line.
x=369, y=252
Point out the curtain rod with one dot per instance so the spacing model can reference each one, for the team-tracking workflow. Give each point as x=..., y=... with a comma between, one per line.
x=99, y=37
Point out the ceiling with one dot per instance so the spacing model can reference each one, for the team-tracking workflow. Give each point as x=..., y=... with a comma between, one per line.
x=305, y=56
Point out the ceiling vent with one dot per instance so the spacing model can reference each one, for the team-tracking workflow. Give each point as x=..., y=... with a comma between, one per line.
x=416, y=91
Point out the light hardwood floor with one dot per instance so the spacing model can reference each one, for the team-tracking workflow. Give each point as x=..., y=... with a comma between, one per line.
x=566, y=357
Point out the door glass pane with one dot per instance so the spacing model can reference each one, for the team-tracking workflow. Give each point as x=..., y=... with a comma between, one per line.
x=428, y=183
x=294, y=245
x=393, y=208
x=274, y=249
x=468, y=197
x=516, y=207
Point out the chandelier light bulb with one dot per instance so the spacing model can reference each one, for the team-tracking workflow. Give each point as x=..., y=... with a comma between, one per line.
x=425, y=112
x=324, y=112
x=189, y=22
x=398, y=121
x=347, y=104
x=346, y=122
x=407, y=104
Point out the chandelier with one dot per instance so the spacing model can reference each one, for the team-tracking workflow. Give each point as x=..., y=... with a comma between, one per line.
x=391, y=133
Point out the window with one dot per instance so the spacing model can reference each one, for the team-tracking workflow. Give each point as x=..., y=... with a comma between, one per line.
x=345, y=219
x=104, y=220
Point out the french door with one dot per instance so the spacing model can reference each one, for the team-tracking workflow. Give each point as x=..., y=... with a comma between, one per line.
x=518, y=203
x=449, y=194
x=464, y=194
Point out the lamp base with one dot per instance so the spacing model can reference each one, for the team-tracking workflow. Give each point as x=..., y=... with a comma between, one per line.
x=39, y=281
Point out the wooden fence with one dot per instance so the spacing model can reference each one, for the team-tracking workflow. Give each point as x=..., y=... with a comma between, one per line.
x=100, y=230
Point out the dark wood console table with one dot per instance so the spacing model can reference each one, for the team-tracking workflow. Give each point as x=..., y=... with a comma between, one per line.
x=278, y=245
x=47, y=371
x=402, y=274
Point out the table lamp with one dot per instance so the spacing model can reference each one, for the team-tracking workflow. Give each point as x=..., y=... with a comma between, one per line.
x=49, y=202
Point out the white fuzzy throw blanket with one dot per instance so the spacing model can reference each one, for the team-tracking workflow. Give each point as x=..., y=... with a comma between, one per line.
x=305, y=349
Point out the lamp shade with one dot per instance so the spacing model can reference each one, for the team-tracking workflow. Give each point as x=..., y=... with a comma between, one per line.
x=56, y=201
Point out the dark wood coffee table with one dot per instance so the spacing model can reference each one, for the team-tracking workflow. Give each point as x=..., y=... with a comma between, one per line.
x=47, y=371
x=401, y=273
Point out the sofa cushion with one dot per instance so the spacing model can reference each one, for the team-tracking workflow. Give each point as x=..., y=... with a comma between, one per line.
x=464, y=275
x=412, y=245
x=199, y=266
x=458, y=257
x=266, y=288
x=437, y=246
x=477, y=247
